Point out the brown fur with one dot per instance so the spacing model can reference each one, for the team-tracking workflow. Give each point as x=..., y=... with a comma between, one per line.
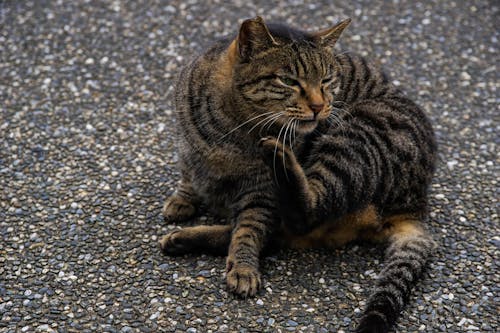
x=338, y=232
x=303, y=147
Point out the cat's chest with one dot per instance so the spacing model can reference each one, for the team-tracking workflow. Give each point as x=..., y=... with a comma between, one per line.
x=222, y=174
x=305, y=146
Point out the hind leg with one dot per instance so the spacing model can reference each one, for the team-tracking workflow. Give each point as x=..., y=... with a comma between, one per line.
x=409, y=248
x=213, y=239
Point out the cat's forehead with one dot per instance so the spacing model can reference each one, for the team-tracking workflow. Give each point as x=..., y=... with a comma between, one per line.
x=305, y=60
x=309, y=50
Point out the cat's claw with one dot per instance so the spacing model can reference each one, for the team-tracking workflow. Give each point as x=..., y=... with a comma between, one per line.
x=243, y=280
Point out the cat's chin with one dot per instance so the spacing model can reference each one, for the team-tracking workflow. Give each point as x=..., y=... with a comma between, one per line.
x=307, y=126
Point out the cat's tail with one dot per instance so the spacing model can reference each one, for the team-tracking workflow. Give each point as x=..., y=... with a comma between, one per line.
x=410, y=247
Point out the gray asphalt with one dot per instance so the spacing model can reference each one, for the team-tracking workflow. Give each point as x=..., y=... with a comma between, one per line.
x=87, y=157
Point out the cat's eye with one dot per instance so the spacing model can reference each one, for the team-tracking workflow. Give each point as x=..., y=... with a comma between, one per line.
x=289, y=81
x=327, y=80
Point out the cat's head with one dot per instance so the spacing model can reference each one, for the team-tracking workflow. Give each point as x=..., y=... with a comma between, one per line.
x=284, y=71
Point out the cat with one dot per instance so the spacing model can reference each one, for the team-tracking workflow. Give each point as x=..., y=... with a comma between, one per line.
x=301, y=147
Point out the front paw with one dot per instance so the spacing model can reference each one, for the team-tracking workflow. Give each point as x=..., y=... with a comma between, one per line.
x=178, y=209
x=174, y=244
x=242, y=279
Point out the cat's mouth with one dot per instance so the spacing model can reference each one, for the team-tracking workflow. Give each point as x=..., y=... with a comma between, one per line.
x=307, y=125
x=310, y=123
x=311, y=120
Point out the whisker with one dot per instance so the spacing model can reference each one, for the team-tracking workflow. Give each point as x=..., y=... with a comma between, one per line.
x=284, y=145
x=263, y=120
x=244, y=123
x=339, y=110
x=341, y=53
x=347, y=111
x=334, y=104
x=290, y=134
x=268, y=124
x=275, y=151
x=335, y=120
x=295, y=130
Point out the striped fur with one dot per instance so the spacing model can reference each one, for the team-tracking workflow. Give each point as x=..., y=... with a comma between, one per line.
x=301, y=147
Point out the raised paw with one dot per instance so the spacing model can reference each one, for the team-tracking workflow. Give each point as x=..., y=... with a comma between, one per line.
x=243, y=279
x=177, y=209
x=275, y=153
x=174, y=244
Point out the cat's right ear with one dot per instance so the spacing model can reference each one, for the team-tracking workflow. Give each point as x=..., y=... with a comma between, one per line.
x=253, y=37
x=328, y=37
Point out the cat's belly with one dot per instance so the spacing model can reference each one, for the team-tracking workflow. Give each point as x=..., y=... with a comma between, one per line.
x=337, y=232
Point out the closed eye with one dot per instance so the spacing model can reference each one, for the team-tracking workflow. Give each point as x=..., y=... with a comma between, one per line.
x=288, y=81
x=327, y=81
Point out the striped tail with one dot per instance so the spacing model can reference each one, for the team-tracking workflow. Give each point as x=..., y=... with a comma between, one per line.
x=405, y=261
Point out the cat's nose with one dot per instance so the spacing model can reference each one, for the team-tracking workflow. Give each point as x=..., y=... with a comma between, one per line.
x=316, y=107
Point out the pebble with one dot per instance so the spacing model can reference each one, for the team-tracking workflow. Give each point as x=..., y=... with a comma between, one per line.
x=164, y=266
x=204, y=273
x=465, y=76
x=451, y=164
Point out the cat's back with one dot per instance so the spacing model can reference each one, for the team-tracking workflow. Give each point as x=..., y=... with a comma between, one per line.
x=200, y=92
x=362, y=78
x=199, y=70
x=376, y=119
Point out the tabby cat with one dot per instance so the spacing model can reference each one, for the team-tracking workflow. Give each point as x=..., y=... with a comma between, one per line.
x=304, y=147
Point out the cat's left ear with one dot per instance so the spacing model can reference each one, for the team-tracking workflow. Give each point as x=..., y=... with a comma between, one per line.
x=253, y=37
x=328, y=37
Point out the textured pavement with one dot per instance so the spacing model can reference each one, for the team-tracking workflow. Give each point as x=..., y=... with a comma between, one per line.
x=87, y=157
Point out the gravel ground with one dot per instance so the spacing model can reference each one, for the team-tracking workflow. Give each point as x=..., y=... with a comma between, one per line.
x=87, y=156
